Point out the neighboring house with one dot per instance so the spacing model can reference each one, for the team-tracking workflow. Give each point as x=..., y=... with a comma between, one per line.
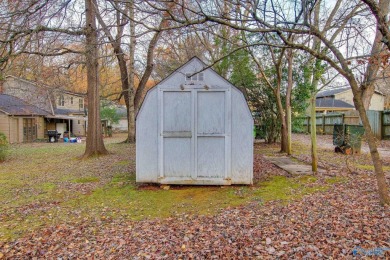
x=341, y=100
x=65, y=110
x=122, y=125
x=69, y=112
x=20, y=121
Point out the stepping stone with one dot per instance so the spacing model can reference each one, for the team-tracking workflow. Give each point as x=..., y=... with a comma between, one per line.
x=292, y=167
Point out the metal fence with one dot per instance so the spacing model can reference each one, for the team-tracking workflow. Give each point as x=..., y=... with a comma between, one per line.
x=379, y=121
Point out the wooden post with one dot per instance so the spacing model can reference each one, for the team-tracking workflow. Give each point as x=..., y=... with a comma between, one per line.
x=323, y=124
x=308, y=124
x=381, y=125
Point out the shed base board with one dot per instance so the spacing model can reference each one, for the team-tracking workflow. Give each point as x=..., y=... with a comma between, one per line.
x=181, y=181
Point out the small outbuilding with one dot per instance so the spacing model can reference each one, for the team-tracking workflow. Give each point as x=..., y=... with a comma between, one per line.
x=194, y=127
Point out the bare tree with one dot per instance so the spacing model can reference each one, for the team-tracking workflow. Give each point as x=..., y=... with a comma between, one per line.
x=95, y=144
x=380, y=10
x=124, y=15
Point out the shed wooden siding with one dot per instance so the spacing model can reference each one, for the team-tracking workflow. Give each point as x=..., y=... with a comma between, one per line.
x=175, y=145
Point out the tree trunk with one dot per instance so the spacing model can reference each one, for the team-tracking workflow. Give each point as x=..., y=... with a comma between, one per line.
x=138, y=96
x=131, y=88
x=284, y=130
x=377, y=161
x=95, y=144
x=288, y=99
x=313, y=134
x=281, y=110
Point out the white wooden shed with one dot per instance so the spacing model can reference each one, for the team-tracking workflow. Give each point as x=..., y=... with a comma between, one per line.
x=194, y=127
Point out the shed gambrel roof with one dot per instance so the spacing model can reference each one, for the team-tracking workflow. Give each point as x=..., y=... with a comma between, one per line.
x=201, y=67
x=15, y=106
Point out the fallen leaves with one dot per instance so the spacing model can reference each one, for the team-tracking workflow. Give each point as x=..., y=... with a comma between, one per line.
x=326, y=224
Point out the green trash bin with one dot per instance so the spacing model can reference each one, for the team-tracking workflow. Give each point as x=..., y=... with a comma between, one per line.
x=348, y=138
x=259, y=132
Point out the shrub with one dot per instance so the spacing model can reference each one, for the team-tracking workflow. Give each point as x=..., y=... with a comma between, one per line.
x=3, y=147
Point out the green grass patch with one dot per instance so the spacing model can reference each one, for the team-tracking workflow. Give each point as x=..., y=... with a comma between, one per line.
x=334, y=180
x=286, y=189
x=122, y=196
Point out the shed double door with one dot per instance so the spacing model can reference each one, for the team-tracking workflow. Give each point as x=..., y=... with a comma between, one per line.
x=194, y=142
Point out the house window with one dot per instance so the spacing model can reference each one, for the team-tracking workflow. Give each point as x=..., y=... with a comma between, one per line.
x=197, y=77
x=61, y=100
x=71, y=100
x=81, y=103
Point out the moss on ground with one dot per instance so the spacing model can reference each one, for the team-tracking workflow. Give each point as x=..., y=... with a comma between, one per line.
x=287, y=189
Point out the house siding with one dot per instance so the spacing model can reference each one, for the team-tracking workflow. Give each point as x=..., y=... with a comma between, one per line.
x=12, y=127
x=40, y=121
x=377, y=103
x=121, y=126
x=377, y=100
x=68, y=101
x=346, y=96
x=79, y=127
x=5, y=126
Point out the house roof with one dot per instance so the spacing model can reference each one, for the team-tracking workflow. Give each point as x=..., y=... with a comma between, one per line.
x=331, y=102
x=15, y=106
x=47, y=87
x=64, y=111
x=334, y=91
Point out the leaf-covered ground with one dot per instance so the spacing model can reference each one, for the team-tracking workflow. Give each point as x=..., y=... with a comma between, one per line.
x=78, y=209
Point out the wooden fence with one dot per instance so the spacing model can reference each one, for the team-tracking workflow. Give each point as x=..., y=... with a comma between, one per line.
x=379, y=121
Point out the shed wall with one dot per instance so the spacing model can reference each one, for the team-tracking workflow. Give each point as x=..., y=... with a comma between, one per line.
x=147, y=140
x=242, y=140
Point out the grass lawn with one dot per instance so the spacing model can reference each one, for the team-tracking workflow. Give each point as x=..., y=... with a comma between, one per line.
x=46, y=184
